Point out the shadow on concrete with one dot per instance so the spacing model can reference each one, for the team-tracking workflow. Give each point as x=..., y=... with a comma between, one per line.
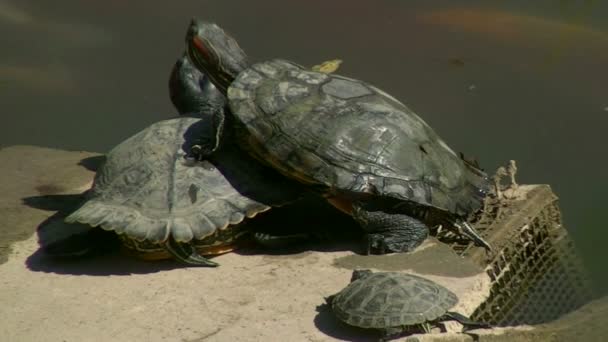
x=114, y=263
x=92, y=163
x=79, y=249
x=322, y=228
x=72, y=248
x=60, y=203
x=328, y=324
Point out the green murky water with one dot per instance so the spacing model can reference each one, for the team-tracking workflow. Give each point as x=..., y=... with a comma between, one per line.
x=498, y=80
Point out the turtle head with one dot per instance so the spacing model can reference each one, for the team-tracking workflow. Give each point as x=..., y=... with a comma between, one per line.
x=215, y=53
x=191, y=91
x=360, y=274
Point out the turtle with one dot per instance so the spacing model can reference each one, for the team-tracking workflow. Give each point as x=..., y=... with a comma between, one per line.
x=162, y=206
x=231, y=186
x=364, y=151
x=395, y=303
x=187, y=85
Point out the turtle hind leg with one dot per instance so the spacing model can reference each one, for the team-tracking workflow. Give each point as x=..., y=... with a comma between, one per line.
x=390, y=232
x=187, y=254
x=465, y=321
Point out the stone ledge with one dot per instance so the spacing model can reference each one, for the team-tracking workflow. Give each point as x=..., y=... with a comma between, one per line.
x=250, y=297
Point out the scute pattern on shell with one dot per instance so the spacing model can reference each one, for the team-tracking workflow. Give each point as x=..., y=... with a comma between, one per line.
x=333, y=131
x=390, y=299
x=147, y=191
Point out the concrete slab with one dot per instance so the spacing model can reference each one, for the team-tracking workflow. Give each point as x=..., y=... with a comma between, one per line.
x=252, y=296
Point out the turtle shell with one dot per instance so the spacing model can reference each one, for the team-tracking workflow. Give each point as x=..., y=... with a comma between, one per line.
x=146, y=191
x=349, y=136
x=390, y=299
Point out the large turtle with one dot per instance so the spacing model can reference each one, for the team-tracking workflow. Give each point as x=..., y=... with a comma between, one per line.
x=395, y=303
x=366, y=152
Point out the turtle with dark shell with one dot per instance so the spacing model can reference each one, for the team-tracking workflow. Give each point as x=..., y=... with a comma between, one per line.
x=192, y=92
x=362, y=149
x=395, y=303
x=162, y=206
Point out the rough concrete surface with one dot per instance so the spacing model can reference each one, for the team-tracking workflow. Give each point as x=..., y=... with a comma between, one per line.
x=587, y=324
x=252, y=296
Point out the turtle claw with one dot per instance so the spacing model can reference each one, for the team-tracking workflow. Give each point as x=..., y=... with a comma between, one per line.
x=198, y=152
x=465, y=229
x=187, y=254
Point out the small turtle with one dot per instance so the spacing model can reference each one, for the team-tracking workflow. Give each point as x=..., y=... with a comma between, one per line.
x=395, y=303
x=366, y=152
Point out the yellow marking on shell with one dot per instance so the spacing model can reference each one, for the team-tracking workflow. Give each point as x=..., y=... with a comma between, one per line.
x=217, y=250
x=163, y=254
x=327, y=67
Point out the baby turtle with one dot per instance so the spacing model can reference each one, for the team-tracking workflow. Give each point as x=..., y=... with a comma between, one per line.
x=366, y=152
x=395, y=303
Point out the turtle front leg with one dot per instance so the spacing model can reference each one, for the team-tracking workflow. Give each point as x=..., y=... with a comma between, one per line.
x=389, y=232
x=187, y=254
x=202, y=148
